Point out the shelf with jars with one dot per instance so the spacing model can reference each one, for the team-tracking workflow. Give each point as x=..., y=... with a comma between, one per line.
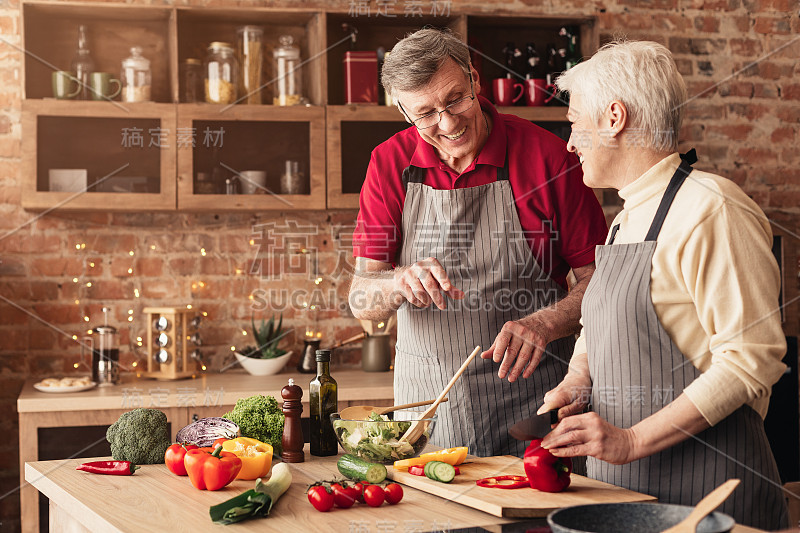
x=275, y=88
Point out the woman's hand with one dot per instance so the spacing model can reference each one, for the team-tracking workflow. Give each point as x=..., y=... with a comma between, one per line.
x=571, y=396
x=588, y=434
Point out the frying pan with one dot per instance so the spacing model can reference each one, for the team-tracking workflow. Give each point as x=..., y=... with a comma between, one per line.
x=638, y=517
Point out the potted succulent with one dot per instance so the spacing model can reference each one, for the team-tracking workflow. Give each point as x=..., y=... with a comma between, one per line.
x=266, y=358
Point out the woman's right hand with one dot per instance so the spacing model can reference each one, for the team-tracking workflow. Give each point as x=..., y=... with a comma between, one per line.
x=571, y=396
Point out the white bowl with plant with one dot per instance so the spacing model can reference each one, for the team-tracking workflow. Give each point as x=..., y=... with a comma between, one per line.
x=266, y=358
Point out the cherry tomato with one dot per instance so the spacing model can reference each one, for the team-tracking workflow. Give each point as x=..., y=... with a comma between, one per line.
x=374, y=495
x=394, y=493
x=320, y=498
x=345, y=497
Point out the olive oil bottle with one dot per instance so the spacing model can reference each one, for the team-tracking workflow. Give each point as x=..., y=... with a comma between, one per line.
x=323, y=401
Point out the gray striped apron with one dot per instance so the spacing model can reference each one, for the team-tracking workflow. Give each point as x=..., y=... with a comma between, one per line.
x=636, y=370
x=476, y=235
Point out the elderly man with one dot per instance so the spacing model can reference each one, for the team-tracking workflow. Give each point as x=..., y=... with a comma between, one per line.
x=682, y=339
x=470, y=221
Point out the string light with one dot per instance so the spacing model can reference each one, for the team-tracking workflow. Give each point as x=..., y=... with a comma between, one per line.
x=130, y=311
x=91, y=264
x=83, y=245
x=77, y=302
x=74, y=280
x=203, y=367
x=77, y=246
x=136, y=293
x=244, y=332
x=89, y=284
x=188, y=306
x=205, y=314
x=233, y=348
x=318, y=281
x=74, y=337
x=75, y=365
x=130, y=253
x=86, y=319
x=203, y=252
x=152, y=246
x=135, y=363
x=252, y=242
x=130, y=319
x=130, y=271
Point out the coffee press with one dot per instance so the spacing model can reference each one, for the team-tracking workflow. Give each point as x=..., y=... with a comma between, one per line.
x=104, y=344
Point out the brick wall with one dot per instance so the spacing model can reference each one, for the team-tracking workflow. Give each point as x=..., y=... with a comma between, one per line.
x=743, y=120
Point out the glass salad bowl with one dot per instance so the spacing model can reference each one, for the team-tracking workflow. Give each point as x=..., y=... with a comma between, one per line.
x=378, y=440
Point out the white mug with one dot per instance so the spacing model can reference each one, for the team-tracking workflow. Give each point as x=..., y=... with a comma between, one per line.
x=252, y=181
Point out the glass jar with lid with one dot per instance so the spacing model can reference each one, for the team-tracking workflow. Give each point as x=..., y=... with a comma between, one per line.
x=221, y=70
x=288, y=76
x=136, y=77
x=192, y=81
x=249, y=53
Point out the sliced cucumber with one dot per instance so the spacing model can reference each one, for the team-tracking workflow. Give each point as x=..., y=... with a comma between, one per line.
x=439, y=471
x=357, y=469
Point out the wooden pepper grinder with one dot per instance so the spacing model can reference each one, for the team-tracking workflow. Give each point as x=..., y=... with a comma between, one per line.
x=292, y=442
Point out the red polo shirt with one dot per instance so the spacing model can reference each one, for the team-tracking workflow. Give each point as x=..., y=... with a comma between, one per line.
x=560, y=216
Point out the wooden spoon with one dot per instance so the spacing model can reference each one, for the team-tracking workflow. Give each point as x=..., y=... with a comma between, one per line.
x=418, y=428
x=362, y=412
x=704, y=507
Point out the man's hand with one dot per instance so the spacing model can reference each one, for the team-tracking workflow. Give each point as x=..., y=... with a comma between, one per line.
x=520, y=347
x=425, y=283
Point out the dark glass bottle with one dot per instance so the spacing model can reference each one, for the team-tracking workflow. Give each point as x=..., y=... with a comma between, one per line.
x=323, y=401
x=535, y=69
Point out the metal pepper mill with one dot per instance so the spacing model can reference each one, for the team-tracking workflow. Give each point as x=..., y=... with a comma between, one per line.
x=292, y=442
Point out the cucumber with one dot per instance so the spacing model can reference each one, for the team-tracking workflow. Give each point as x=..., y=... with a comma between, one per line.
x=439, y=471
x=357, y=469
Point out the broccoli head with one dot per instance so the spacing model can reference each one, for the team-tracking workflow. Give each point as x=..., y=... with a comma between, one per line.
x=139, y=436
x=259, y=417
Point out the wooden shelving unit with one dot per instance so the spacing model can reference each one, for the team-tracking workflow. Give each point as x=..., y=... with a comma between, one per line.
x=331, y=141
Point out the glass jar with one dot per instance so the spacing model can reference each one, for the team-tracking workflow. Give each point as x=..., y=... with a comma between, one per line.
x=192, y=81
x=293, y=181
x=287, y=72
x=249, y=52
x=136, y=77
x=221, y=71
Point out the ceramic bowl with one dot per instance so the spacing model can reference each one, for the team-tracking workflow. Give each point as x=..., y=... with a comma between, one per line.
x=263, y=367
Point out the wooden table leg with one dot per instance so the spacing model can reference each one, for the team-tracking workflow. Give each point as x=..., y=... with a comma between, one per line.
x=28, y=451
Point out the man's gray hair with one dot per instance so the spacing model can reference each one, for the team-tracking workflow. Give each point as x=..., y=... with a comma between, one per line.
x=643, y=76
x=414, y=60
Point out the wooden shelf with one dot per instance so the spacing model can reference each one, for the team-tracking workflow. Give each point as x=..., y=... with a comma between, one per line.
x=537, y=114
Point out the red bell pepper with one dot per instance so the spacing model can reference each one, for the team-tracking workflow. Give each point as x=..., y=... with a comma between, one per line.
x=174, y=457
x=211, y=469
x=114, y=468
x=545, y=471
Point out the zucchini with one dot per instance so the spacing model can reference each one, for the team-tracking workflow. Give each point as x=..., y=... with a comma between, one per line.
x=439, y=471
x=357, y=469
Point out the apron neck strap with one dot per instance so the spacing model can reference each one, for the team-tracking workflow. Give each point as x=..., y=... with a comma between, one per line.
x=412, y=174
x=675, y=183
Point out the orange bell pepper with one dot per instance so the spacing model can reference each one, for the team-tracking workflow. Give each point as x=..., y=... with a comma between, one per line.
x=256, y=456
x=211, y=468
x=451, y=456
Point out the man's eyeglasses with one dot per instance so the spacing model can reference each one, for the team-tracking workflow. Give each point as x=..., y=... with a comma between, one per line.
x=434, y=117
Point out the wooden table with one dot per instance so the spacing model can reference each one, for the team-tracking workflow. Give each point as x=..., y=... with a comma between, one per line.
x=206, y=395
x=153, y=499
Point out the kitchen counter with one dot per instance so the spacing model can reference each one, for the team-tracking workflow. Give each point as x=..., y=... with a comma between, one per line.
x=153, y=499
x=210, y=394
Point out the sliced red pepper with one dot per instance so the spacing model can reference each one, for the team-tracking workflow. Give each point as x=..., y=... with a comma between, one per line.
x=114, y=468
x=498, y=482
x=416, y=470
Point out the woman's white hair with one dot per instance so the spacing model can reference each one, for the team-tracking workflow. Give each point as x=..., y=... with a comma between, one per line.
x=643, y=76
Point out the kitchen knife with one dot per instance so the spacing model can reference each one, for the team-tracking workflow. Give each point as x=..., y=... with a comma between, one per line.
x=535, y=427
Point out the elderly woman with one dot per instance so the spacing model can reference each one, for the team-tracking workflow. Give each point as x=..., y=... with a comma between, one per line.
x=682, y=340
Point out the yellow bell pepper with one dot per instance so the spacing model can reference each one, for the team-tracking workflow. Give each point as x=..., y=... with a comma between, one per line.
x=256, y=456
x=451, y=456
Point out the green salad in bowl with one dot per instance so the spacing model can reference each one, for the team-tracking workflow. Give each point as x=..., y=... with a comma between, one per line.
x=377, y=439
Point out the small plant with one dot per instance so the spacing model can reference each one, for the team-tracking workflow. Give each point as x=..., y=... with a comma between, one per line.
x=268, y=335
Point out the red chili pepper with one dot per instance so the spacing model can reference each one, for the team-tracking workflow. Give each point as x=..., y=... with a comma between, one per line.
x=174, y=457
x=545, y=471
x=114, y=468
x=496, y=482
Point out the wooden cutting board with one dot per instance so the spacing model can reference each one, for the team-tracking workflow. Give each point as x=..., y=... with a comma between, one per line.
x=514, y=503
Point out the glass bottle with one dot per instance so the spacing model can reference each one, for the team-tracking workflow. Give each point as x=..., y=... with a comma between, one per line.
x=221, y=69
x=323, y=402
x=83, y=64
x=292, y=180
x=286, y=68
x=249, y=52
x=136, y=77
x=192, y=78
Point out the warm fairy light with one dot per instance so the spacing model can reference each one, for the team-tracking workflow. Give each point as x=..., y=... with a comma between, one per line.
x=138, y=339
x=188, y=338
x=83, y=245
x=75, y=365
x=201, y=283
x=77, y=302
x=188, y=306
x=130, y=319
x=319, y=335
x=251, y=297
x=77, y=246
x=130, y=311
x=303, y=251
x=74, y=280
x=194, y=286
x=203, y=367
x=205, y=314
x=88, y=332
x=380, y=325
x=238, y=271
x=244, y=332
x=309, y=333
x=91, y=264
x=233, y=348
x=203, y=252
x=86, y=319
x=139, y=343
x=313, y=307
x=74, y=337
x=130, y=253
x=89, y=284
x=136, y=292
x=130, y=271
x=305, y=304
x=252, y=242
x=318, y=281
x=135, y=364
x=152, y=246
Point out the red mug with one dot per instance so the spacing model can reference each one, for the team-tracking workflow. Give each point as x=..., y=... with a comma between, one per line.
x=504, y=89
x=538, y=92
